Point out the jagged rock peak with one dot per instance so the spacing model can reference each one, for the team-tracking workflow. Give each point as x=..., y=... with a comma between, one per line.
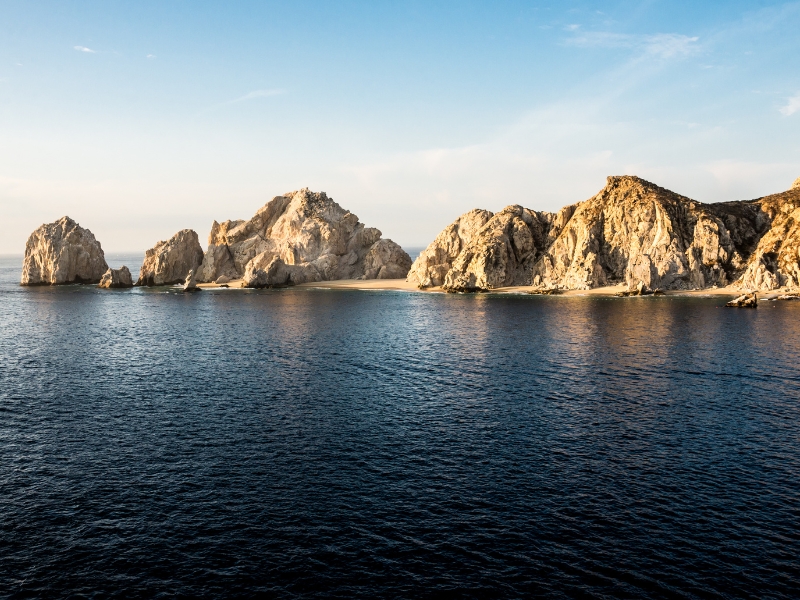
x=62, y=252
x=297, y=237
x=632, y=232
x=169, y=262
x=796, y=184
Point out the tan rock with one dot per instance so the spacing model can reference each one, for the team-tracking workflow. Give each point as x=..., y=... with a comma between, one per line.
x=169, y=262
x=632, y=232
x=62, y=252
x=312, y=238
x=190, y=285
x=796, y=184
x=745, y=301
x=117, y=278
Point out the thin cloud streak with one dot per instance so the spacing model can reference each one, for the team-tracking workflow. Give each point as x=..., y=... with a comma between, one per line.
x=84, y=49
x=665, y=45
x=256, y=94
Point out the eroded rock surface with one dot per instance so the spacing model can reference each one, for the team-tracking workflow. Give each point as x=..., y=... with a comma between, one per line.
x=117, y=278
x=62, y=252
x=190, y=284
x=632, y=232
x=169, y=262
x=300, y=237
x=744, y=301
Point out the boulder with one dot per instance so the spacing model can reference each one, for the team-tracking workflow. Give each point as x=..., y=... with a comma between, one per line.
x=117, y=278
x=190, y=284
x=297, y=237
x=62, y=252
x=222, y=279
x=745, y=301
x=169, y=262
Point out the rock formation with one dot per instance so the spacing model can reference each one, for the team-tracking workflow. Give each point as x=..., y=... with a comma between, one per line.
x=632, y=232
x=169, y=262
x=744, y=301
x=62, y=252
x=796, y=184
x=300, y=237
x=190, y=285
x=117, y=278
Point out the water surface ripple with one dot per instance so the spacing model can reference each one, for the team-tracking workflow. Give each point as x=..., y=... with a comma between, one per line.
x=302, y=443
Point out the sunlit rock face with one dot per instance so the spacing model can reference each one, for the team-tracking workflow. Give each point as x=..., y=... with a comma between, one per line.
x=62, y=252
x=300, y=237
x=169, y=262
x=117, y=279
x=632, y=232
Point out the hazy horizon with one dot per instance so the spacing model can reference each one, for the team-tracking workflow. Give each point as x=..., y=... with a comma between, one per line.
x=141, y=120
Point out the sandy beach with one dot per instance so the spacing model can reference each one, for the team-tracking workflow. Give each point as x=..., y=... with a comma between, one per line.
x=403, y=285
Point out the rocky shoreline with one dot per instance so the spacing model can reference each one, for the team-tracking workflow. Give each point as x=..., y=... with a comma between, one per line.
x=633, y=238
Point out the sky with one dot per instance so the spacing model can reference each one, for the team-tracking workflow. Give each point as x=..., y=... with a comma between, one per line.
x=138, y=119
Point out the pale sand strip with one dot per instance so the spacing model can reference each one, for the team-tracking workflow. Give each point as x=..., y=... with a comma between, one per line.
x=403, y=285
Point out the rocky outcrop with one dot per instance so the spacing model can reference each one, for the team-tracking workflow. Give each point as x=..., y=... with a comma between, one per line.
x=190, y=285
x=300, y=237
x=632, y=232
x=796, y=184
x=744, y=301
x=169, y=262
x=117, y=279
x=62, y=252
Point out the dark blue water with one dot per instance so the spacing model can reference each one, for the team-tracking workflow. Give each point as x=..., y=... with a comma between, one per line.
x=302, y=443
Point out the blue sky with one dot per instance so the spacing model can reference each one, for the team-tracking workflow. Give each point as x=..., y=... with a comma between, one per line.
x=139, y=119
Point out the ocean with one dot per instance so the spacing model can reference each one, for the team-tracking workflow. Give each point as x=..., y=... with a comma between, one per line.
x=307, y=443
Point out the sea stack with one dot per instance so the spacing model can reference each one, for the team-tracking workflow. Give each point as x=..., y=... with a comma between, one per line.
x=299, y=237
x=632, y=232
x=62, y=252
x=117, y=279
x=169, y=262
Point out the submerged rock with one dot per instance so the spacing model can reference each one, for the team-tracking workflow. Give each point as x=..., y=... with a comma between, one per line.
x=632, y=232
x=745, y=301
x=117, y=278
x=62, y=252
x=169, y=262
x=300, y=237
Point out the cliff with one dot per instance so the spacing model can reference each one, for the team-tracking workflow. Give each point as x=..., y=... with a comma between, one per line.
x=169, y=262
x=631, y=232
x=299, y=237
x=62, y=252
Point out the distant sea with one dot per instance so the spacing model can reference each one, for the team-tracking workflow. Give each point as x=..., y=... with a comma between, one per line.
x=332, y=443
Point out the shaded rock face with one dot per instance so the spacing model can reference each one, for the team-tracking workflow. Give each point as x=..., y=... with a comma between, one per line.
x=117, y=278
x=169, y=262
x=632, y=232
x=62, y=252
x=300, y=237
x=190, y=285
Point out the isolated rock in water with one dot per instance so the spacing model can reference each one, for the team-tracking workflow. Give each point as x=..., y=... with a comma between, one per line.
x=298, y=237
x=190, y=285
x=62, y=252
x=117, y=278
x=169, y=262
x=431, y=266
x=745, y=301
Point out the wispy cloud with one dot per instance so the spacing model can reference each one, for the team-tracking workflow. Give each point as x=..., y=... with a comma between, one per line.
x=151, y=56
x=664, y=45
x=84, y=49
x=573, y=27
x=256, y=94
x=792, y=106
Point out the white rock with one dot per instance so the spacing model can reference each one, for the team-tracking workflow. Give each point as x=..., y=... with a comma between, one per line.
x=117, y=278
x=62, y=252
x=169, y=262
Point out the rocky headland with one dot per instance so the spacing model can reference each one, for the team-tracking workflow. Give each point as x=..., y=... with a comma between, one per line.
x=60, y=253
x=299, y=237
x=632, y=232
